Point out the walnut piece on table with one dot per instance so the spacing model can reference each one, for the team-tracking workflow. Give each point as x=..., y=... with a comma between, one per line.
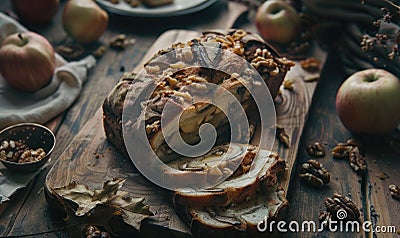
x=395, y=191
x=313, y=173
x=70, y=51
x=288, y=84
x=282, y=136
x=311, y=65
x=92, y=231
x=121, y=41
x=350, y=151
x=340, y=208
x=316, y=150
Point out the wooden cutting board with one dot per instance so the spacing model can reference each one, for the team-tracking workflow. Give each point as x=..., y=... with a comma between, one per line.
x=91, y=160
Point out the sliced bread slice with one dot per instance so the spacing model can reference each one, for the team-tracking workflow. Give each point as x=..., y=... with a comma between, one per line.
x=241, y=220
x=258, y=170
x=221, y=162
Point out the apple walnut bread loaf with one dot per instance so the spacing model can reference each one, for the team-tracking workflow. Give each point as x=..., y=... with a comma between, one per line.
x=251, y=193
x=265, y=59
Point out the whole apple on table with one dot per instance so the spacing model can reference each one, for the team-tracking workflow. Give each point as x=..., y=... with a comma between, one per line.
x=27, y=61
x=369, y=102
x=278, y=21
x=84, y=20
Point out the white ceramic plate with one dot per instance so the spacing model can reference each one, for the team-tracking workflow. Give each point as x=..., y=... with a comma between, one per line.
x=178, y=7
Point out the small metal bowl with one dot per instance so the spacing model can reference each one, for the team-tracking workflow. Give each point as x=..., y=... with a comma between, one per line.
x=34, y=136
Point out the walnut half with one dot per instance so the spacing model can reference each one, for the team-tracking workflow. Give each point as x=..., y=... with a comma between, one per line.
x=316, y=150
x=341, y=207
x=351, y=151
x=282, y=136
x=395, y=191
x=313, y=173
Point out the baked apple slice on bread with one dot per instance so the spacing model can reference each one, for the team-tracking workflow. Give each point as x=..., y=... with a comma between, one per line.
x=258, y=171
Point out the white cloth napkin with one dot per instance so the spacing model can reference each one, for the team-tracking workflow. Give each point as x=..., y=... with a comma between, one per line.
x=40, y=106
x=10, y=182
x=48, y=102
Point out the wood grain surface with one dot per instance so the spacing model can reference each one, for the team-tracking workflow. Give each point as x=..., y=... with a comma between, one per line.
x=91, y=160
x=369, y=193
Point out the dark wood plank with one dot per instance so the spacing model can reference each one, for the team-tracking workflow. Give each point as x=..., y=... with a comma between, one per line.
x=292, y=112
x=369, y=193
x=384, y=210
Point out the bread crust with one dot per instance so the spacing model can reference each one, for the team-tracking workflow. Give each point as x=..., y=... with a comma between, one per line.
x=247, y=45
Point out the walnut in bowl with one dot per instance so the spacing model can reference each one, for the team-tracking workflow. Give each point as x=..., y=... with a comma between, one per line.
x=26, y=147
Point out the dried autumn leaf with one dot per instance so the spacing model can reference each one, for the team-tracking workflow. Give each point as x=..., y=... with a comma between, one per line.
x=102, y=217
x=87, y=199
x=135, y=205
x=133, y=209
x=133, y=219
x=109, y=191
x=106, y=202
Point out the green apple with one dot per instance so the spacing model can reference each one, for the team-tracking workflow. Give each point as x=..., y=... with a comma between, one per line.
x=278, y=21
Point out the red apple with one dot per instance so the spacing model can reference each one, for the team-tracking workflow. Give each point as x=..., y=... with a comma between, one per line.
x=278, y=21
x=369, y=102
x=38, y=11
x=27, y=61
x=84, y=20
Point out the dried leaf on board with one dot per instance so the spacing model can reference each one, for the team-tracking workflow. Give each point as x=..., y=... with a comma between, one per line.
x=100, y=206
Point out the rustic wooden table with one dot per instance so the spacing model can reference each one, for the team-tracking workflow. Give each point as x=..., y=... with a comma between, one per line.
x=28, y=212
